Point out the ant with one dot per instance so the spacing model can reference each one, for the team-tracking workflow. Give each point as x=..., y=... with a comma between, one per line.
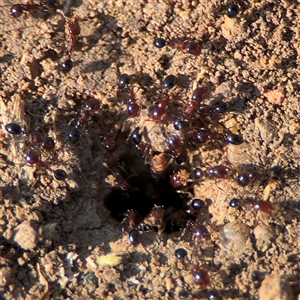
x=183, y=178
x=91, y=107
x=198, y=96
x=201, y=277
x=133, y=109
x=175, y=142
x=47, y=143
x=195, y=205
x=180, y=178
x=17, y=10
x=72, y=31
x=219, y=108
x=157, y=162
x=220, y=171
x=245, y=179
x=155, y=219
x=130, y=221
x=14, y=128
x=200, y=232
x=159, y=111
x=260, y=205
x=186, y=46
x=203, y=135
x=33, y=157
x=142, y=147
x=169, y=82
x=119, y=183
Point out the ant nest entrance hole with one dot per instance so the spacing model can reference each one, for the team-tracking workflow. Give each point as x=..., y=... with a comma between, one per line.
x=143, y=192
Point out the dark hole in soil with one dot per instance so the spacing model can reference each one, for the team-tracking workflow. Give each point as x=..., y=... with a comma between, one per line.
x=145, y=192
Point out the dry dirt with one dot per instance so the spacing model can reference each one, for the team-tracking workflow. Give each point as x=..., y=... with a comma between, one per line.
x=55, y=234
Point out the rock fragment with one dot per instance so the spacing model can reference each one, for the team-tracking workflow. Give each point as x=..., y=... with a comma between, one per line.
x=274, y=287
x=26, y=235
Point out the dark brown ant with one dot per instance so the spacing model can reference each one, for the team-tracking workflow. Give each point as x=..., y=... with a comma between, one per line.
x=15, y=129
x=193, y=48
x=169, y=82
x=124, y=81
x=218, y=108
x=194, y=206
x=17, y=9
x=91, y=106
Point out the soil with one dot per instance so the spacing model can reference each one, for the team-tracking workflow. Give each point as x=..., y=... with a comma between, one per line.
x=63, y=239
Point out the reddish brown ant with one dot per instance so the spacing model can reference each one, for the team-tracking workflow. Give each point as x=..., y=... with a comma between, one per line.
x=133, y=109
x=198, y=96
x=155, y=219
x=260, y=205
x=201, y=277
x=159, y=111
x=200, y=232
x=180, y=178
x=204, y=135
x=46, y=143
x=90, y=108
x=175, y=142
x=245, y=179
x=220, y=171
x=32, y=157
x=119, y=182
x=72, y=31
x=130, y=222
x=193, y=48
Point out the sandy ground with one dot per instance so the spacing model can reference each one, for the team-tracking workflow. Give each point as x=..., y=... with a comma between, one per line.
x=55, y=234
